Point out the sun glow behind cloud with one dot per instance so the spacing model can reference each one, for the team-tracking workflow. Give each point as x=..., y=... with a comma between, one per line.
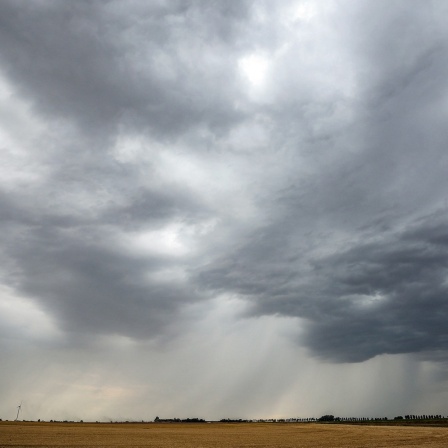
x=255, y=68
x=304, y=10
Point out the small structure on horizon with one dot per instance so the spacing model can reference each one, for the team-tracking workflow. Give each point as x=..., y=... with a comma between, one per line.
x=19, y=407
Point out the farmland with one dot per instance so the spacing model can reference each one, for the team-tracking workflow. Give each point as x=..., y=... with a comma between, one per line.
x=214, y=435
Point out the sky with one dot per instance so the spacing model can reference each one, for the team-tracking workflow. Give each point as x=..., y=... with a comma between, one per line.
x=223, y=209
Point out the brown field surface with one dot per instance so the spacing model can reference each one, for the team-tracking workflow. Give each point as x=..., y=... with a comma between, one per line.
x=222, y=435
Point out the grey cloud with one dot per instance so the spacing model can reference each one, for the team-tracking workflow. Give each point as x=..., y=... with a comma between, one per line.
x=90, y=288
x=405, y=283
x=111, y=73
x=152, y=208
x=338, y=194
x=69, y=259
x=355, y=245
x=382, y=296
x=154, y=67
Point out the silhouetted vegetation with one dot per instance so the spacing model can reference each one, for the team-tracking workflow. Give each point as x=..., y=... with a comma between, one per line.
x=231, y=420
x=326, y=418
x=408, y=419
x=179, y=420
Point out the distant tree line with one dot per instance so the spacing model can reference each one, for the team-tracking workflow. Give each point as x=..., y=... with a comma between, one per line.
x=422, y=417
x=327, y=418
x=179, y=420
x=332, y=418
x=234, y=420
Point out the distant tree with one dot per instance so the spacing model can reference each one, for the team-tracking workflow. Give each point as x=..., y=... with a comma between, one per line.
x=156, y=419
x=326, y=418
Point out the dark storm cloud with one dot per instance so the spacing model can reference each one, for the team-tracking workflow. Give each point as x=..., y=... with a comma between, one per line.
x=151, y=66
x=391, y=296
x=388, y=295
x=357, y=247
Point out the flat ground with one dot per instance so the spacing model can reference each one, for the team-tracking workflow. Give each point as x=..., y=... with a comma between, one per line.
x=214, y=435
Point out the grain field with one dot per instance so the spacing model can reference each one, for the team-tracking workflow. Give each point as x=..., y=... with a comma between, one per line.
x=217, y=435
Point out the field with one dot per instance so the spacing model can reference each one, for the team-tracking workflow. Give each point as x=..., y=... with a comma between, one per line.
x=214, y=435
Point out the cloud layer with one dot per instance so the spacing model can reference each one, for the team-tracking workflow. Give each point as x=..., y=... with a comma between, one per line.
x=163, y=158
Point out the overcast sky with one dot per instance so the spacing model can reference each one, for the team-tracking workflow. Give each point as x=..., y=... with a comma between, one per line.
x=223, y=208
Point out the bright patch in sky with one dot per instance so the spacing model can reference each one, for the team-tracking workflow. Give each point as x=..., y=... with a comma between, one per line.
x=165, y=241
x=254, y=67
x=302, y=11
x=20, y=318
x=364, y=300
